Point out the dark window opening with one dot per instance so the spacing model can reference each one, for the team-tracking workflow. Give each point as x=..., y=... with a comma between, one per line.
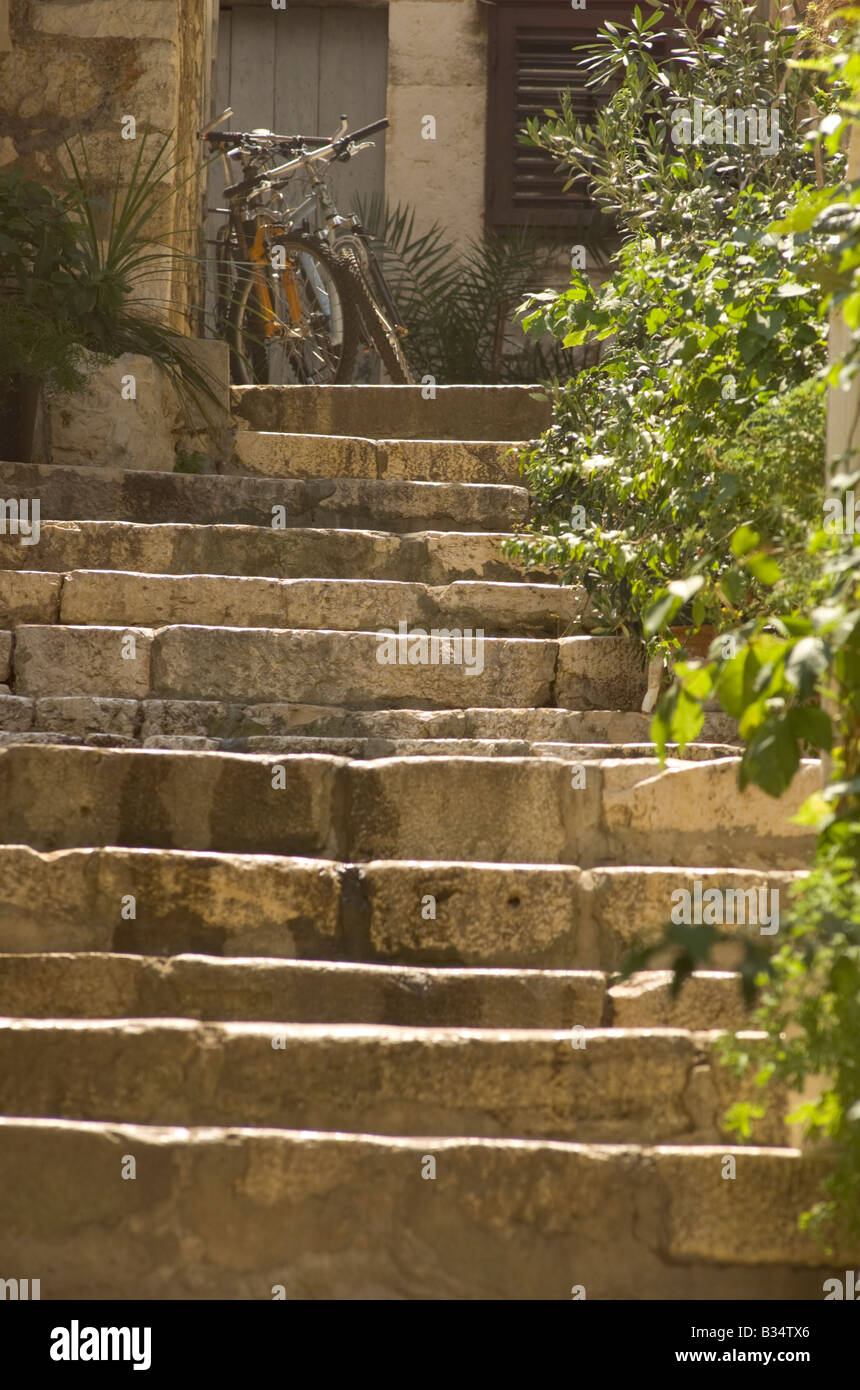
x=531, y=63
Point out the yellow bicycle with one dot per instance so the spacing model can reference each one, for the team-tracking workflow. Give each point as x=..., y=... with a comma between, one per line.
x=296, y=304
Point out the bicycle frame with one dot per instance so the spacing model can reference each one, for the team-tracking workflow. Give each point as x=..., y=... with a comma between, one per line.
x=252, y=248
x=259, y=271
x=338, y=225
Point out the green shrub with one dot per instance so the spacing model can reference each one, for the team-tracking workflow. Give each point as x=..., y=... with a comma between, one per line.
x=809, y=1007
x=705, y=319
x=40, y=263
x=695, y=453
x=632, y=493
x=778, y=460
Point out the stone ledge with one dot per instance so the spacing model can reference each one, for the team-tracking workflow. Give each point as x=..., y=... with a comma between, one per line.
x=513, y=915
x=332, y=1217
x=503, y=413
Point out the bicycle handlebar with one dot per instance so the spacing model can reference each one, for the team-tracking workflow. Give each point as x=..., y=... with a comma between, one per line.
x=290, y=143
x=365, y=130
x=296, y=147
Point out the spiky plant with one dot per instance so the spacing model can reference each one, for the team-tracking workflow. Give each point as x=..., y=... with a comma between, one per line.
x=459, y=305
x=119, y=261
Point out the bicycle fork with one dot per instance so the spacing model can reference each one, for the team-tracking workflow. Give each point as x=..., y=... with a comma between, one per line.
x=259, y=262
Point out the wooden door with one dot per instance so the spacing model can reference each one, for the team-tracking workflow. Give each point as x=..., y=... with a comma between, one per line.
x=297, y=70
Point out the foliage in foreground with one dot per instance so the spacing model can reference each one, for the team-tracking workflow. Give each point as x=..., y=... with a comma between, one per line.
x=656, y=486
x=638, y=478
x=793, y=682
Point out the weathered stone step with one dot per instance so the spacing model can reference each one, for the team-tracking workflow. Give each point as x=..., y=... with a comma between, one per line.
x=155, y=600
x=370, y=748
x=166, y=902
x=112, y=494
x=590, y=1085
x=277, y=454
x=385, y=413
x=342, y=1217
x=136, y=720
x=532, y=810
x=100, y=985
x=360, y=669
x=423, y=557
x=708, y=999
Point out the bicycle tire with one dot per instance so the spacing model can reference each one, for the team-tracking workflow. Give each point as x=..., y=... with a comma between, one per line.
x=382, y=335
x=252, y=361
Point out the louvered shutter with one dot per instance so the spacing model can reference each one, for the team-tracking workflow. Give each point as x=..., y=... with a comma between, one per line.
x=531, y=63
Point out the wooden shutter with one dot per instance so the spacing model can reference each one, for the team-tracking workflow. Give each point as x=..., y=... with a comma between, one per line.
x=531, y=63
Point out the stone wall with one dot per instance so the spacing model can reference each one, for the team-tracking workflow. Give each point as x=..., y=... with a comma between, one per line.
x=437, y=68
x=78, y=67
x=131, y=416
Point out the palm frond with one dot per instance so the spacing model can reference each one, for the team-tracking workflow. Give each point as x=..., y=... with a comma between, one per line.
x=460, y=304
x=122, y=257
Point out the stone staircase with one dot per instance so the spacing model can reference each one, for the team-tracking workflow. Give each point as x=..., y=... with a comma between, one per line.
x=308, y=974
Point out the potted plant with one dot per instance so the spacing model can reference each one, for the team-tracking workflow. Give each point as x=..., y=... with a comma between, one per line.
x=74, y=268
x=39, y=345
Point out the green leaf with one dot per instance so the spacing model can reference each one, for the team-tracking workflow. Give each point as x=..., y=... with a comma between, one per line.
x=813, y=724
x=660, y=614
x=730, y=684
x=812, y=811
x=771, y=758
x=808, y=659
x=763, y=568
x=744, y=540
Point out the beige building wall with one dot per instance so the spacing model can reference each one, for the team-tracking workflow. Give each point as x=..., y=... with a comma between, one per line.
x=437, y=104
x=78, y=67
x=437, y=68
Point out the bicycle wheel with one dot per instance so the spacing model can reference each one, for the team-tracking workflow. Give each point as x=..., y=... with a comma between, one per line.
x=315, y=337
x=376, y=319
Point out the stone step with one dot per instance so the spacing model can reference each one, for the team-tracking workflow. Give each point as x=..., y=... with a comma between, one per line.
x=81, y=716
x=321, y=1216
x=511, y=810
x=112, y=494
x=367, y=749
x=423, y=557
x=100, y=985
x=359, y=669
x=518, y=916
x=389, y=413
x=708, y=999
x=277, y=454
x=156, y=600
x=590, y=1085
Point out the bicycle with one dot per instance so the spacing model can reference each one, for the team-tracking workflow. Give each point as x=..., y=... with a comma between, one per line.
x=294, y=303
